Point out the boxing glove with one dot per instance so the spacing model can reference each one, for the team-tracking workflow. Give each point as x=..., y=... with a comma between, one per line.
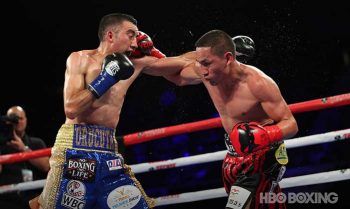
x=145, y=47
x=115, y=67
x=245, y=48
x=250, y=137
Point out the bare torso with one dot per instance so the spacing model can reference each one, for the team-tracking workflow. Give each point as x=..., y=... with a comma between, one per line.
x=104, y=111
x=235, y=101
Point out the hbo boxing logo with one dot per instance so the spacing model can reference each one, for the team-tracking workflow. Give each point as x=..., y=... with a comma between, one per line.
x=301, y=197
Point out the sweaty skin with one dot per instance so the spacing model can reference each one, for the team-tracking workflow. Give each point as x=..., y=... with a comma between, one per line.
x=82, y=107
x=239, y=92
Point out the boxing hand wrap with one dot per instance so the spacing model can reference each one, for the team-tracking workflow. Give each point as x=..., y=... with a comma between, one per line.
x=245, y=48
x=145, y=47
x=115, y=67
x=250, y=137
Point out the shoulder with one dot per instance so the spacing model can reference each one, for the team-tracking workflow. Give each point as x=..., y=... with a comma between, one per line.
x=80, y=59
x=79, y=56
x=260, y=84
x=257, y=78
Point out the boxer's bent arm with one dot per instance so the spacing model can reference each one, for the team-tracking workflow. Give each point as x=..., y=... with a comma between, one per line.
x=76, y=97
x=267, y=91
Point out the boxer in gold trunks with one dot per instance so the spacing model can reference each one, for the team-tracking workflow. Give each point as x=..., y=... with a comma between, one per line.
x=86, y=169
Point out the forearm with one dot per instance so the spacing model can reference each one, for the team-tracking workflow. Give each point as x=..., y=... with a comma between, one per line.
x=289, y=127
x=166, y=66
x=189, y=55
x=78, y=103
x=41, y=163
x=187, y=76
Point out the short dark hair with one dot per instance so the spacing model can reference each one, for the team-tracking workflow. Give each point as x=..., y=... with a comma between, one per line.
x=219, y=42
x=113, y=19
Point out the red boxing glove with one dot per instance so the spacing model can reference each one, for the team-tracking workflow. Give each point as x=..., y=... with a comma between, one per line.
x=250, y=137
x=145, y=47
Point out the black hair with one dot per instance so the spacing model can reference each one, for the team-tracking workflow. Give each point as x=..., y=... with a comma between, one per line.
x=113, y=19
x=219, y=42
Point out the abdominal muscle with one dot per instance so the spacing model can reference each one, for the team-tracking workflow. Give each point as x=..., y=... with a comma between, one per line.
x=103, y=116
x=104, y=111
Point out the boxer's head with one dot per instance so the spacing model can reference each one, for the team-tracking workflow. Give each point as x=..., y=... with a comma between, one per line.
x=215, y=51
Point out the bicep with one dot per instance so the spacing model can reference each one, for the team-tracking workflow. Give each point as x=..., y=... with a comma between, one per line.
x=277, y=109
x=272, y=101
x=74, y=78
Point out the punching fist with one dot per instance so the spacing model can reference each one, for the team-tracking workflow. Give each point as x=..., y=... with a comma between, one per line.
x=250, y=137
x=145, y=47
x=245, y=48
x=115, y=67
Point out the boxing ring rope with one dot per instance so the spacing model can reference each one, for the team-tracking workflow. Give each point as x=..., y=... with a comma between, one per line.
x=316, y=104
x=324, y=177
x=22, y=156
x=219, y=155
x=153, y=134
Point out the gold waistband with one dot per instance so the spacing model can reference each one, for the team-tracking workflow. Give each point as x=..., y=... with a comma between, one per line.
x=86, y=137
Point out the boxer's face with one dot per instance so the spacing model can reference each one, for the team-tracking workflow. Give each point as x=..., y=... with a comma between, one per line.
x=124, y=37
x=209, y=66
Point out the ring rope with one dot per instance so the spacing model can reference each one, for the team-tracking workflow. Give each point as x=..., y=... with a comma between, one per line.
x=316, y=104
x=203, y=158
x=219, y=155
x=310, y=179
x=23, y=156
x=135, y=138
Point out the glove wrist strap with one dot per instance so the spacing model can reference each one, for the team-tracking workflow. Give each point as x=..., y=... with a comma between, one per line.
x=275, y=133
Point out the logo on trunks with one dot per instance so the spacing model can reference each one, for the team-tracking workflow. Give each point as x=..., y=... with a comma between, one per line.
x=81, y=169
x=93, y=138
x=114, y=164
x=125, y=197
x=234, y=191
x=74, y=196
x=281, y=154
x=238, y=197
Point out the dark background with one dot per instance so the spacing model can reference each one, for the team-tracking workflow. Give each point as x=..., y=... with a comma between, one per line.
x=304, y=46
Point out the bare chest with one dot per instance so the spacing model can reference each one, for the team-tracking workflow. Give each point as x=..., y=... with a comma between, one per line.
x=107, y=108
x=236, y=105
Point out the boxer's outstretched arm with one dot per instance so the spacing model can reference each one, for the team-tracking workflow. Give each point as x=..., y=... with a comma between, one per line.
x=187, y=76
x=179, y=69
